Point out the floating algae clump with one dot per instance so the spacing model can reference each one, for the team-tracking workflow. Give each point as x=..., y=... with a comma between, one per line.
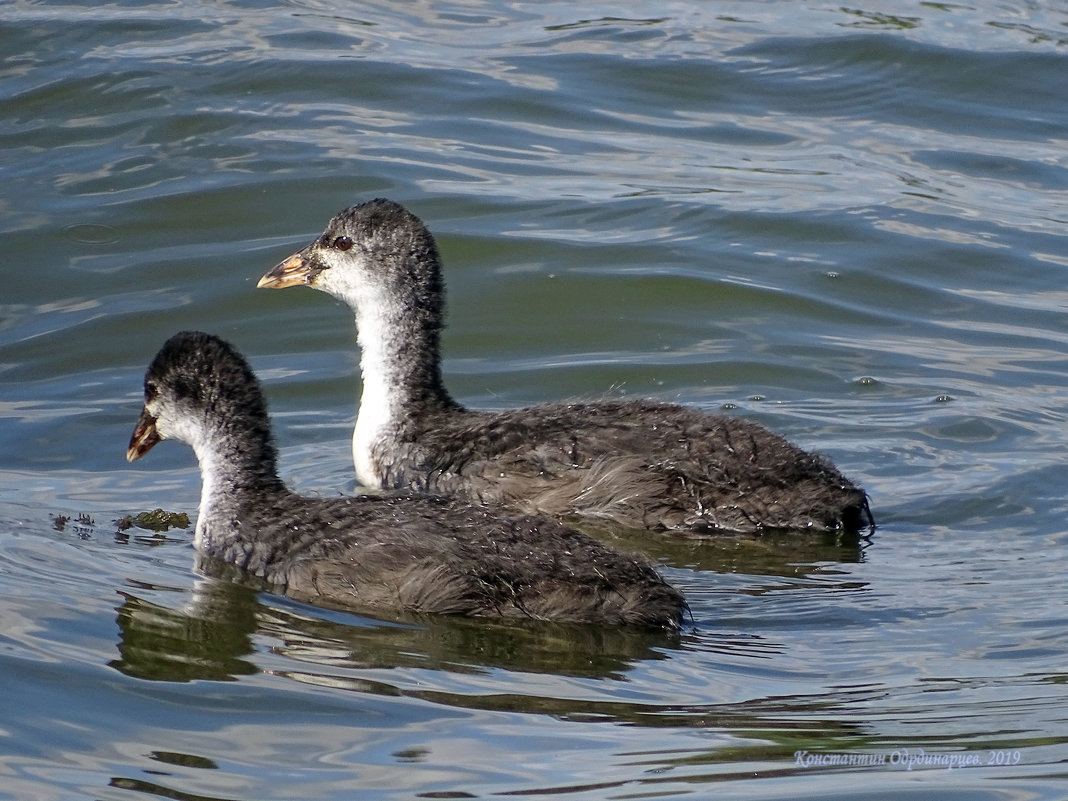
x=156, y=520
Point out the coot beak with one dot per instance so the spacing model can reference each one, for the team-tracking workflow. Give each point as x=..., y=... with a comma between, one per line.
x=297, y=269
x=144, y=437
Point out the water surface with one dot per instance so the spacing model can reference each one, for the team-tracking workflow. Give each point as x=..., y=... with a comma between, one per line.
x=847, y=223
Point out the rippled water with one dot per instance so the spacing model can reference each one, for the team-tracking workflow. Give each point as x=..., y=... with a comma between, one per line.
x=847, y=223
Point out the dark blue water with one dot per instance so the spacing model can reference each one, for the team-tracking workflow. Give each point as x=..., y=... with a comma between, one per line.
x=847, y=223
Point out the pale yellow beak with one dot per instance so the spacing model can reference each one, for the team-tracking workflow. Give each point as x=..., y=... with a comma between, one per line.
x=295, y=270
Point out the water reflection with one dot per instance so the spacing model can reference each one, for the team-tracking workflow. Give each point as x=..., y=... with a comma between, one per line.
x=162, y=644
x=770, y=554
x=227, y=631
x=215, y=635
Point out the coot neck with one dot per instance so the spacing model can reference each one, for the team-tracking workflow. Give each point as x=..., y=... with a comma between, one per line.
x=399, y=335
x=238, y=466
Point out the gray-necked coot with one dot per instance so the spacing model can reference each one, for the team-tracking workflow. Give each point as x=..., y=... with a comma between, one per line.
x=634, y=463
x=406, y=552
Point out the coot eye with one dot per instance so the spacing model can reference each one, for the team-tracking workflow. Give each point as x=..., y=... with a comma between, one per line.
x=343, y=243
x=151, y=392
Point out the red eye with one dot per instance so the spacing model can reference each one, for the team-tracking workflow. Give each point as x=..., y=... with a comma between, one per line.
x=343, y=243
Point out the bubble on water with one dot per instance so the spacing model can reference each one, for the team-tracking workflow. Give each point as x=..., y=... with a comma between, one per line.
x=92, y=234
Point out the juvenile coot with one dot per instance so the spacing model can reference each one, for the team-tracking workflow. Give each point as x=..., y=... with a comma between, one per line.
x=635, y=463
x=403, y=552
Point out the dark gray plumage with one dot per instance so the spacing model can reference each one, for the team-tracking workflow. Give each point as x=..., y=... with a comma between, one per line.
x=402, y=552
x=639, y=464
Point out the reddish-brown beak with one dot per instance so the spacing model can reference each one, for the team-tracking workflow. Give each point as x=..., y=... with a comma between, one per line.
x=144, y=437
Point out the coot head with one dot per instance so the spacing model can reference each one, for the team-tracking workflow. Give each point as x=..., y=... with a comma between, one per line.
x=196, y=388
x=372, y=253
